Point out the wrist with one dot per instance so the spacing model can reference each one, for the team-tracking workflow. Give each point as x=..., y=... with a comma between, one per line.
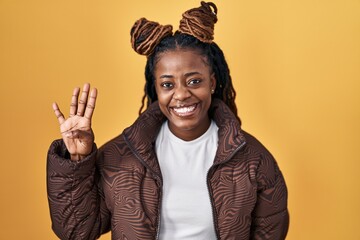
x=77, y=157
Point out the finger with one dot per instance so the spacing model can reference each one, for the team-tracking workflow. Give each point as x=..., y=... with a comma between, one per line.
x=83, y=100
x=91, y=104
x=74, y=101
x=58, y=113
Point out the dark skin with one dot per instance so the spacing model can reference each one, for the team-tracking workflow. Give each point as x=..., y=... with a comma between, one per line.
x=184, y=84
x=76, y=129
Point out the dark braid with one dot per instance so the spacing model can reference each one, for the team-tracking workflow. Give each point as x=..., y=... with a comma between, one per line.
x=224, y=88
x=199, y=22
x=145, y=35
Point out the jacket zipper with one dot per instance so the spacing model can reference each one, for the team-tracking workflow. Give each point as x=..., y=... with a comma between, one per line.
x=159, y=215
x=210, y=191
x=157, y=177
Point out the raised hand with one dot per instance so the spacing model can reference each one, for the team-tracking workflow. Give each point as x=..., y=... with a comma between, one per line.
x=76, y=129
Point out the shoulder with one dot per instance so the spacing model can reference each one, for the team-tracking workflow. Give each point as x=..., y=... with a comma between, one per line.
x=253, y=149
x=260, y=163
x=267, y=171
x=254, y=144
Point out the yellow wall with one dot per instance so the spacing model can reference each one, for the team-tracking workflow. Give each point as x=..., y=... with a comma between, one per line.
x=295, y=66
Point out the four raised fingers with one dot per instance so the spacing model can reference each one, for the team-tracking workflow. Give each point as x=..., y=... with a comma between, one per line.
x=83, y=107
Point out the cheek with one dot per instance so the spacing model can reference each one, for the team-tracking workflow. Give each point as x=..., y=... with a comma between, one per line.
x=164, y=98
x=205, y=95
x=163, y=104
x=206, y=98
x=158, y=92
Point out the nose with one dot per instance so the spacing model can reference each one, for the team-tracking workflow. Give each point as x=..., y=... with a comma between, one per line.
x=181, y=93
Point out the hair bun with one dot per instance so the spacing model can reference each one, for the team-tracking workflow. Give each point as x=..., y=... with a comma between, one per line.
x=199, y=22
x=145, y=35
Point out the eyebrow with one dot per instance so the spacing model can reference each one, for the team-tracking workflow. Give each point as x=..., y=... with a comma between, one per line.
x=186, y=75
x=166, y=76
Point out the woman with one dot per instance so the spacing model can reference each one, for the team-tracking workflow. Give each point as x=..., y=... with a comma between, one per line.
x=184, y=169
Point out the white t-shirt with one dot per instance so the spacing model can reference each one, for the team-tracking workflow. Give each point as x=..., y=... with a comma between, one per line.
x=186, y=211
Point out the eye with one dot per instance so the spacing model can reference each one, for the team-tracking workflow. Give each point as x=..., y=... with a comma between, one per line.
x=194, y=81
x=166, y=85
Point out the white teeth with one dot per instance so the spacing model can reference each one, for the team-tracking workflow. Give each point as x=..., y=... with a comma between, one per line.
x=183, y=110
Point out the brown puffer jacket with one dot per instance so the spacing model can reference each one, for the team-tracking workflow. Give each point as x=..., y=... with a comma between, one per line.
x=119, y=186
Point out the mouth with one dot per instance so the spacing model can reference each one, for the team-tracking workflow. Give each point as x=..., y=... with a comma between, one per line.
x=184, y=111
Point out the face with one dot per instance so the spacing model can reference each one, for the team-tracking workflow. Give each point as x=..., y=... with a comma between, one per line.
x=184, y=84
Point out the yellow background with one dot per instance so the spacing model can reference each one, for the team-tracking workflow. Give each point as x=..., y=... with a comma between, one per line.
x=295, y=67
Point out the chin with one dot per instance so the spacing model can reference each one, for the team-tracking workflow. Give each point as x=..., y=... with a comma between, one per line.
x=183, y=125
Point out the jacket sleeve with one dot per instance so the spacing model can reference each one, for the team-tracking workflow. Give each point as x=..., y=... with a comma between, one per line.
x=270, y=216
x=75, y=196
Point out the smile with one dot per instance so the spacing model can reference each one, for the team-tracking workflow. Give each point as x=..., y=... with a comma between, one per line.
x=185, y=110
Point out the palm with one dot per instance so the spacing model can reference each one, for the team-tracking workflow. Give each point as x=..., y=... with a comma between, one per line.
x=77, y=135
x=76, y=130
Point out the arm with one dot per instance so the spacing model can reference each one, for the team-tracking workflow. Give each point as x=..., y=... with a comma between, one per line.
x=76, y=201
x=270, y=216
x=75, y=195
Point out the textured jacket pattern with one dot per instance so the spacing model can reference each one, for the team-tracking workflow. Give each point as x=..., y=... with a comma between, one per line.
x=119, y=186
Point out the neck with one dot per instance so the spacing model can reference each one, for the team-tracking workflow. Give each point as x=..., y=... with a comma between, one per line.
x=189, y=134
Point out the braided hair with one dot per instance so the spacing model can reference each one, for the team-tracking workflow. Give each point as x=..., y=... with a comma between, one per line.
x=195, y=33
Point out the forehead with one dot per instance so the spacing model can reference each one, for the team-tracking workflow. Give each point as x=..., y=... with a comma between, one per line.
x=181, y=60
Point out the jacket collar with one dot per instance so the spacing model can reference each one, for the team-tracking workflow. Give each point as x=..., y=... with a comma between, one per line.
x=230, y=136
x=142, y=134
